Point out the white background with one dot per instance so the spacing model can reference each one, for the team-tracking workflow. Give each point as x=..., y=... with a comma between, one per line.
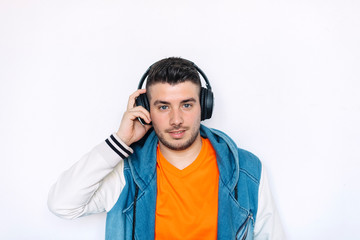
x=285, y=75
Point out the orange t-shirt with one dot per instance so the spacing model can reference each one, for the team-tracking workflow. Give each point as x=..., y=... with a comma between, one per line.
x=187, y=200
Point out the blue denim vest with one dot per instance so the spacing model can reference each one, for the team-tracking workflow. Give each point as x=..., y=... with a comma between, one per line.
x=238, y=190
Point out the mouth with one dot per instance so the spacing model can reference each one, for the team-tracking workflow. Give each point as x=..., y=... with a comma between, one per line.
x=177, y=133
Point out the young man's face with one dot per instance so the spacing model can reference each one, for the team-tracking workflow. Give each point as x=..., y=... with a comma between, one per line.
x=175, y=113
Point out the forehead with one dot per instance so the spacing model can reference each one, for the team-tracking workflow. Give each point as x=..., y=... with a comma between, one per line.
x=168, y=92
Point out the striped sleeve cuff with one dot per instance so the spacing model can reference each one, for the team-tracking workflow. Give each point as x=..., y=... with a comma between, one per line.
x=118, y=146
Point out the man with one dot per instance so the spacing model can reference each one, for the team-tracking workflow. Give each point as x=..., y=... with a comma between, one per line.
x=170, y=178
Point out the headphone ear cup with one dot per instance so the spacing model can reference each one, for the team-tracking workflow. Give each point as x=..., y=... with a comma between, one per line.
x=206, y=103
x=202, y=103
x=142, y=100
x=209, y=103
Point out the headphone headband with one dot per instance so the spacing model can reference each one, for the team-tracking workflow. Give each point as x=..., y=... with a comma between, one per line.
x=144, y=76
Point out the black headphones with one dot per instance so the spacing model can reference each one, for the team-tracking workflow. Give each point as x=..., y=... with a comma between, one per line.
x=206, y=95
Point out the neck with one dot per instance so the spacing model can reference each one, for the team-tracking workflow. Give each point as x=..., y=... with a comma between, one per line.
x=182, y=158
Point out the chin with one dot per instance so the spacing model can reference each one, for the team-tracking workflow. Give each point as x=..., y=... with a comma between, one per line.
x=180, y=144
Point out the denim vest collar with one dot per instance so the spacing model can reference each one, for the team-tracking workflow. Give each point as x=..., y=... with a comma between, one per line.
x=143, y=161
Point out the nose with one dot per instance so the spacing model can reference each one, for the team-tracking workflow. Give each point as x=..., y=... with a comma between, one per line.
x=176, y=117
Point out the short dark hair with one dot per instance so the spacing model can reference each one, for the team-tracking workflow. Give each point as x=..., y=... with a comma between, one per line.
x=173, y=70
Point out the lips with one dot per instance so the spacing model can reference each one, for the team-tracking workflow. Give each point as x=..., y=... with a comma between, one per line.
x=177, y=133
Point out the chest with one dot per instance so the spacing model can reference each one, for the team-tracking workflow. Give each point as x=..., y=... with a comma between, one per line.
x=187, y=200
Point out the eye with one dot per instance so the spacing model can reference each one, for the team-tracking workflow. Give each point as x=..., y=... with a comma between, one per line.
x=187, y=105
x=163, y=107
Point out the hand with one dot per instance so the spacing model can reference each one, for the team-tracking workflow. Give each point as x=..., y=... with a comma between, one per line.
x=131, y=130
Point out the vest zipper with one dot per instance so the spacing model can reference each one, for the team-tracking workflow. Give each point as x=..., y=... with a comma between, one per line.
x=134, y=211
x=244, y=225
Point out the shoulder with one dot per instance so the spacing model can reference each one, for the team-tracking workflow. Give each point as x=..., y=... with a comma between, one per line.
x=247, y=162
x=250, y=164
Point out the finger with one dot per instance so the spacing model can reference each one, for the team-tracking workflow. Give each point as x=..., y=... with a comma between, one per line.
x=131, y=102
x=140, y=112
x=141, y=109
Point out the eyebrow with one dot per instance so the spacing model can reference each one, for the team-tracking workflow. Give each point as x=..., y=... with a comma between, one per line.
x=157, y=102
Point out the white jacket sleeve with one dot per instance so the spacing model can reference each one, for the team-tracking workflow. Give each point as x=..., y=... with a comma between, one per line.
x=93, y=184
x=268, y=225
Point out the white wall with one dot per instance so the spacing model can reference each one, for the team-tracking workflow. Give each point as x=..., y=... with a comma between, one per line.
x=285, y=76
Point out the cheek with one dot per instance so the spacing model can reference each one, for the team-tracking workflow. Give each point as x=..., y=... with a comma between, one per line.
x=194, y=117
x=197, y=112
x=156, y=119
